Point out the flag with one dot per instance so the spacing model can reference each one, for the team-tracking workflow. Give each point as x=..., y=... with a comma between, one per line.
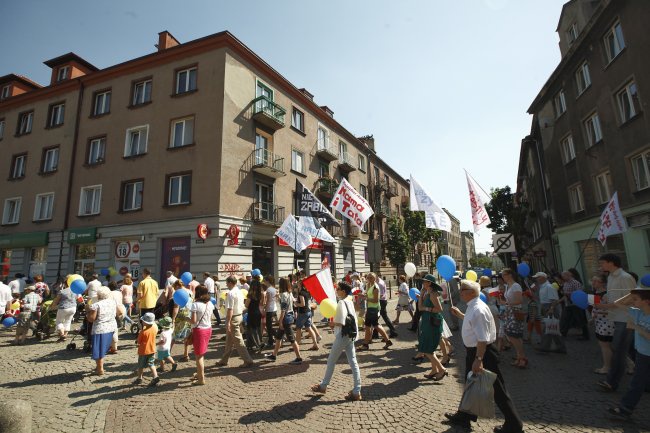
x=612, y=221
x=435, y=217
x=494, y=291
x=311, y=225
x=480, y=217
x=351, y=204
x=320, y=285
x=294, y=237
x=308, y=205
x=593, y=299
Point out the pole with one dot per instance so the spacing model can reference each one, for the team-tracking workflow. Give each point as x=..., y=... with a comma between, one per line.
x=587, y=243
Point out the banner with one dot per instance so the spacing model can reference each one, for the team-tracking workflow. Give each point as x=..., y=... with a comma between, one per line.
x=292, y=235
x=435, y=217
x=311, y=226
x=480, y=217
x=316, y=244
x=351, y=204
x=320, y=285
x=612, y=221
x=308, y=205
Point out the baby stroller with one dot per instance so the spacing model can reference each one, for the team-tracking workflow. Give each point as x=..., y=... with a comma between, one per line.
x=85, y=328
x=47, y=322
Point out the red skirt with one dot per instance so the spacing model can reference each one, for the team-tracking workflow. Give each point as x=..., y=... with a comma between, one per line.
x=200, y=340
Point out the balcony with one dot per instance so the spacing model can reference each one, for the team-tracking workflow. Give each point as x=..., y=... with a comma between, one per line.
x=325, y=150
x=354, y=231
x=346, y=162
x=268, y=113
x=391, y=190
x=265, y=162
x=405, y=200
x=380, y=185
x=382, y=210
x=346, y=230
x=267, y=213
x=325, y=187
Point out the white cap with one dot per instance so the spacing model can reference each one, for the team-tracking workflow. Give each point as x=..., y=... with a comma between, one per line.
x=540, y=274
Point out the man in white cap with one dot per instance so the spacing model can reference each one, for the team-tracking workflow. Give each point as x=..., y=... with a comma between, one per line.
x=549, y=301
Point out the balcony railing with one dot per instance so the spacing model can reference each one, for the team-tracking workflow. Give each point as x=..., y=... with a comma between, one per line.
x=391, y=190
x=382, y=210
x=265, y=162
x=267, y=213
x=268, y=113
x=326, y=150
x=346, y=230
x=380, y=185
x=346, y=162
x=325, y=186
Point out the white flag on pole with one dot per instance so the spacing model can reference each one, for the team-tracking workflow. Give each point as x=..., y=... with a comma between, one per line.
x=435, y=216
x=309, y=225
x=480, y=217
x=351, y=204
x=612, y=221
x=291, y=232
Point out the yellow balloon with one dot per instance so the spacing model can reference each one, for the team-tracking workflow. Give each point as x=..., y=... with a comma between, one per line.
x=244, y=293
x=72, y=278
x=471, y=275
x=327, y=308
x=223, y=295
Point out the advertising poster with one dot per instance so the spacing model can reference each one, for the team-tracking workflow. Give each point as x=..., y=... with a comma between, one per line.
x=126, y=259
x=175, y=256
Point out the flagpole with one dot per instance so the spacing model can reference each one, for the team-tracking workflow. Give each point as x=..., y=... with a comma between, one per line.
x=478, y=184
x=587, y=243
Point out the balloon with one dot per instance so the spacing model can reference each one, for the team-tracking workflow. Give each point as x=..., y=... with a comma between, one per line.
x=446, y=267
x=483, y=297
x=223, y=295
x=78, y=287
x=413, y=293
x=471, y=275
x=256, y=272
x=73, y=277
x=410, y=269
x=523, y=269
x=186, y=278
x=487, y=272
x=244, y=318
x=244, y=293
x=327, y=308
x=213, y=300
x=181, y=297
x=112, y=271
x=8, y=321
x=105, y=272
x=580, y=299
x=645, y=280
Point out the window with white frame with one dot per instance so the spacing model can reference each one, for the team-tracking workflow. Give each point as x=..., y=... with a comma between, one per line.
x=298, y=119
x=628, y=102
x=592, y=127
x=323, y=138
x=25, y=121
x=362, y=163
x=576, y=199
x=603, y=183
x=63, y=73
x=50, y=160
x=182, y=133
x=568, y=149
x=583, y=78
x=614, y=42
x=96, y=150
x=44, y=206
x=559, y=103
x=343, y=151
x=186, y=80
x=132, y=195
x=536, y=230
x=141, y=92
x=18, y=166
x=102, y=103
x=179, y=189
x=641, y=170
x=572, y=33
x=90, y=200
x=2, y=128
x=57, y=113
x=6, y=92
x=11, y=213
x=136, y=141
x=297, y=161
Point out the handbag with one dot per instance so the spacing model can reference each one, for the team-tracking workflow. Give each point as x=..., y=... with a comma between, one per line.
x=551, y=326
x=188, y=339
x=349, y=328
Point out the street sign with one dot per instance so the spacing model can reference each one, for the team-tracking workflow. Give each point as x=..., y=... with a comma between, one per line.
x=503, y=243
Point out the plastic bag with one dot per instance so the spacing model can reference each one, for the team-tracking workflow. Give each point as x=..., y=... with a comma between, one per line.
x=552, y=326
x=478, y=396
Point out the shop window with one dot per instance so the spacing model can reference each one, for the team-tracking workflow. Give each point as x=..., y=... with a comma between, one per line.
x=37, y=261
x=84, y=260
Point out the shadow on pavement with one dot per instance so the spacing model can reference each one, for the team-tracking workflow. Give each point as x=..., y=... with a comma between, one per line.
x=287, y=411
x=54, y=379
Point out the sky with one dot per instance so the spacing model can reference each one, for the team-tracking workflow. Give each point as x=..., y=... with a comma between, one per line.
x=442, y=85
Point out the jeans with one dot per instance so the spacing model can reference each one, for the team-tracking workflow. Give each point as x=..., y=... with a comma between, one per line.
x=343, y=343
x=620, y=346
x=127, y=317
x=574, y=316
x=547, y=339
x=640, y=380
x=384, y=315
x=270, y=317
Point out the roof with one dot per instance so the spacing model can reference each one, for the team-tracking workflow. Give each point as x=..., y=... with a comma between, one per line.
x=14, y=77
x=564, y=8
x=70, y=57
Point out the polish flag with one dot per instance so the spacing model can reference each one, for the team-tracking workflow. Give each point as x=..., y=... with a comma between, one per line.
x=494, y=291
x=320, y=285
x=593, y=299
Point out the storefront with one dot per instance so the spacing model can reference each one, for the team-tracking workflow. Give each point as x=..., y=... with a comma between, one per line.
x=25, y=253
x=84, y=249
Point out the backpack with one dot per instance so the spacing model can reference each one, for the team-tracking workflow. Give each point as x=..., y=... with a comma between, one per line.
x=349, y=328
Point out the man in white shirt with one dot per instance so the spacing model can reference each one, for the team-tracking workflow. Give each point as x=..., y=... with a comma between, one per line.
x=171, y=279
x=479, y=333
x=234, y=308
x=271, y=309
x=93, y=285
x=18, y=283
x=549, y=301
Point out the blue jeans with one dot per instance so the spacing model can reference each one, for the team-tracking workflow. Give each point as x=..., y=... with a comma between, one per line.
x=638, y=384
x=127, y=318
x=620, y=346
x=343, y=343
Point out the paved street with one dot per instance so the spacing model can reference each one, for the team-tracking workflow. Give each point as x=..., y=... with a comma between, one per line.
x=557, y=393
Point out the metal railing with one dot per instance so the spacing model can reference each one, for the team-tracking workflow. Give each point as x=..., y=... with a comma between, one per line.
x=324, y=145
x=263, y=104
x=391, y=191
x=267, y=212
x=265, y=158
x=346, y=159
x=326, y=186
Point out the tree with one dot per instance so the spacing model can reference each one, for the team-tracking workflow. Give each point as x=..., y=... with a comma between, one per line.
x=397, y=246
x=508, y=215
x=482, y=261
x=431, y=237
x=415, y=228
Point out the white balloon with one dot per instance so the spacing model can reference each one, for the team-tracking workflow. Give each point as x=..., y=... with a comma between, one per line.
x=410, y=269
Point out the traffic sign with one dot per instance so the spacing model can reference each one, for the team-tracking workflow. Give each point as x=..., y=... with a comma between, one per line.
x=503, y=243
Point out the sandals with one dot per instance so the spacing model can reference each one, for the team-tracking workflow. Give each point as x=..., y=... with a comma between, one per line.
x=522, y=363
x=184, y=358
x=318, y=389
x=441, y=375
x=353, y=397
x=363, y=348
x=606, y=386
x=445, y=362
x=388, y=344
x=601, y=371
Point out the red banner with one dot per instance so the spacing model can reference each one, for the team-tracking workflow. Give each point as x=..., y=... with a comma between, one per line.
x=316, y=244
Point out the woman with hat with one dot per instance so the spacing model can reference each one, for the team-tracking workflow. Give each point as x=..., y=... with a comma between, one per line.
x=430, y=329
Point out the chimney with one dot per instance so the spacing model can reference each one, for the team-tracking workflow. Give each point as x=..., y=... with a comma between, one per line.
x=369, y=141
x=166, y=40
x=326, y=109
x=306, y=93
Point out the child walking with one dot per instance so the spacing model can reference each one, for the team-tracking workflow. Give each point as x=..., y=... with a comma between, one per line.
x=147, y=349
x=164, y=344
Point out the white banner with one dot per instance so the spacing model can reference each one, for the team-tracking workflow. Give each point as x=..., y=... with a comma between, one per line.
x=480, y=217
x=290, y=232
x=307, y=224
x=351, y=204
x=612, y=221
x=435, y=217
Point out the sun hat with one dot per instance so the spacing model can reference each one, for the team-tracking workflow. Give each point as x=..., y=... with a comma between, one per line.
x=165, y=323
x=430, y=278
x=148, y=318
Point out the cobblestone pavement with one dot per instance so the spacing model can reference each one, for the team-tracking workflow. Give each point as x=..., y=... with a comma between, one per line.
x=556, y=393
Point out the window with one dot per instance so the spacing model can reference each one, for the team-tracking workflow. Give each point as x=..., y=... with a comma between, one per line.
x=641, y=170
x=63, y=73
x=132, y=195
x=298, y=119
x=375, y=171
x=343, y=151
x=44, y=206
x=323, y=138
x=50, y=160
x=56, y=115
x=179, y=188
x=363, y=190
x=2, y=128
x=323, y=169
x=575, y=199
x=11, y=213
x=84, y=260
x=568, y=149
x=18, y=165
x=362, y=163
x=96, y=150
x=559, y=104
x=297, y=161
x=603, y=187
x=25, y=121
x=182, y=133
x=594, y=133
x=583, y=79
x=136, y=141
x=91, y=197
x=628, y=102
x=537, y=230
x=102, y=104
x=186, y=80
x=141, y=92
x=6, y=92
x=572, y=33
x=614, y=42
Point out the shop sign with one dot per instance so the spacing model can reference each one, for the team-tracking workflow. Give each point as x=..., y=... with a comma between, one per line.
x=202, y=231
x=232, y=233
x=82, y=236
x=23, y=240
x=127, y=258
x=228, y=269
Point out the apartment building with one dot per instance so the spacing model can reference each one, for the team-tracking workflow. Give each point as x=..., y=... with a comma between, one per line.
x=184, y=159
x=451, y=243
x=593, y=134
x=468, y=249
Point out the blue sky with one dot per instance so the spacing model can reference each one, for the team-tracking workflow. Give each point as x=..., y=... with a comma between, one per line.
x=442, y=85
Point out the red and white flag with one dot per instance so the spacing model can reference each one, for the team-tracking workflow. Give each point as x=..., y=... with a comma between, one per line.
x=494, y=291
x=320, y=285
x=351, y=204
x=480, y=217
x=593, y=299
x=612, y=221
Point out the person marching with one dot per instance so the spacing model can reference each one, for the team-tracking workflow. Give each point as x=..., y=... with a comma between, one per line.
x=430, y=328
x=372, y=314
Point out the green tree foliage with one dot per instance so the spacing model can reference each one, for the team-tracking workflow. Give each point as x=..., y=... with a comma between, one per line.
x=508, y=215
x=481, y=261
x=398, y=246
x=415, y=228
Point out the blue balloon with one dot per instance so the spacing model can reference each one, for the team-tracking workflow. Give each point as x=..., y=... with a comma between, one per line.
x=181, y=297
x=446, y=267
x=483, y=297
x=78, y=286
x=645, y=280
x=487, y=272
x=523, y=269
x=186, y=278
x=413, y=293
x=580, y=299
x=256, y=272
x=213, y=300
x=105, y=272
x=8, y=321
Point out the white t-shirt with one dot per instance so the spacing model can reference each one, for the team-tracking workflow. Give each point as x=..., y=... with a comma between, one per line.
x=203, y=314
x=92, y=290
x=403, y=299
x=271, y=305
x=511, y=291
x=234, y=301
x=164, y=340
x=342, y=312
x=5, y=296
x=170, y=281
x=17, y=284
x=209, y=284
